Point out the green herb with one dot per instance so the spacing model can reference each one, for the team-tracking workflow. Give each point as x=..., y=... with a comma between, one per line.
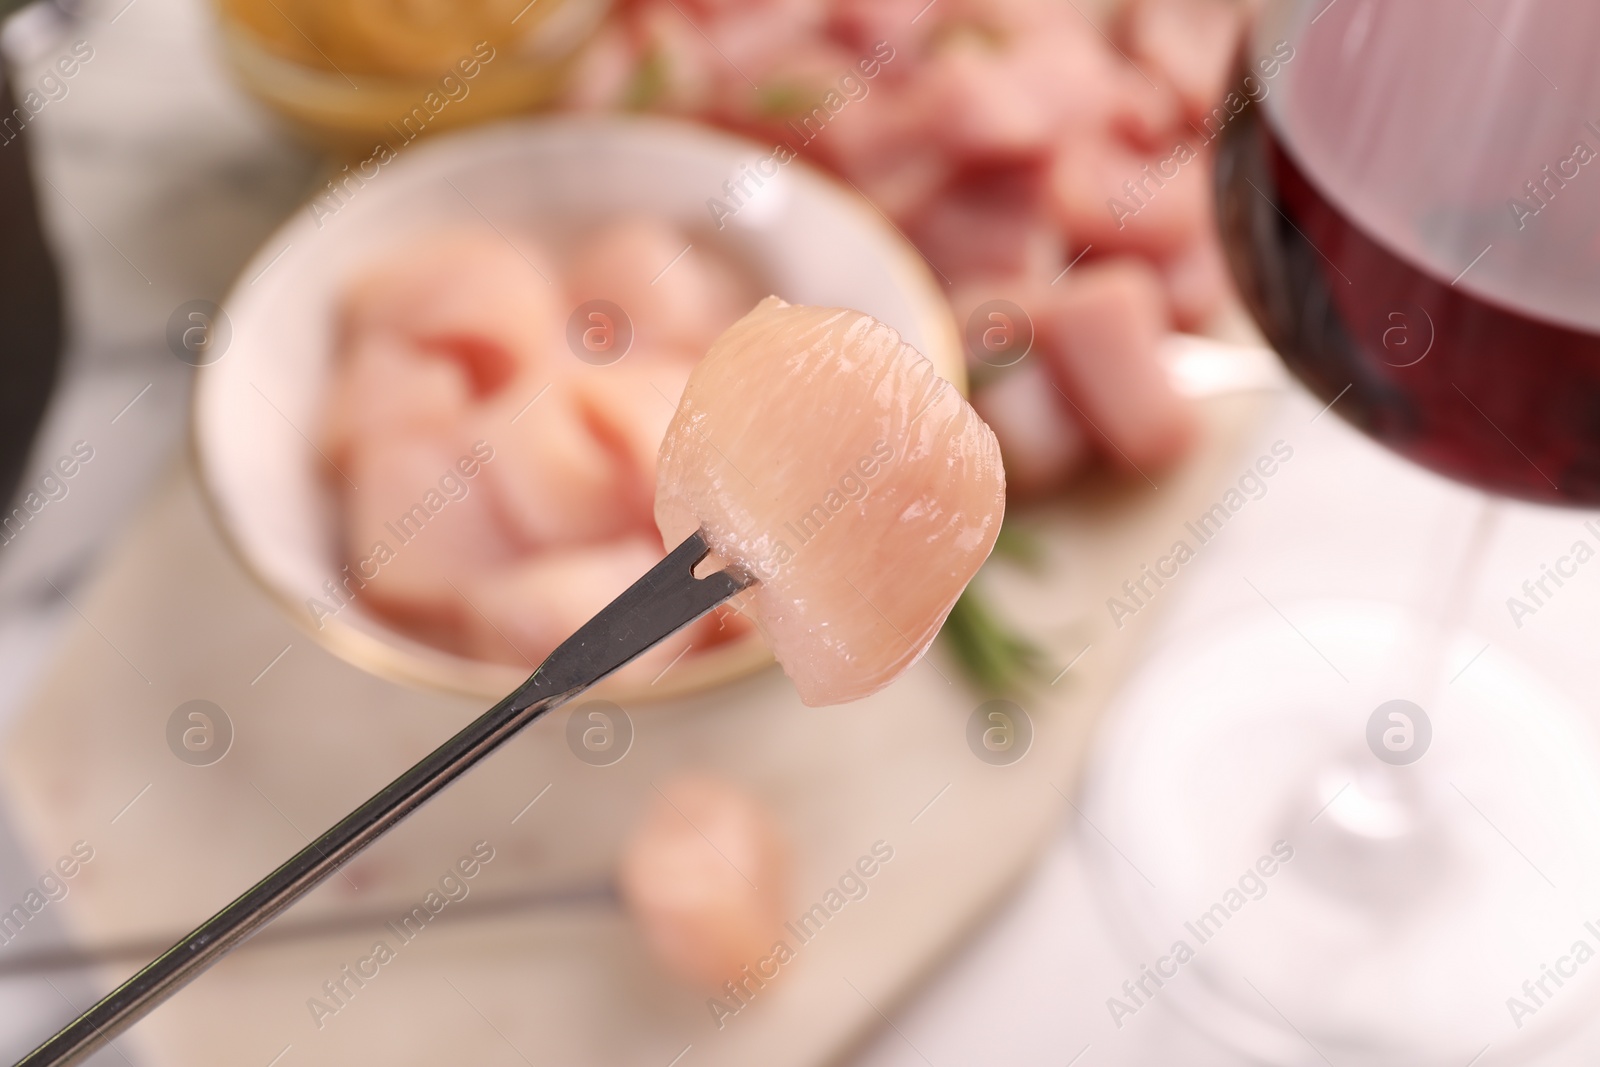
x=785, y=101
x=953, y=34
x=649, y=83
x=995, y=657
x=1020, y=546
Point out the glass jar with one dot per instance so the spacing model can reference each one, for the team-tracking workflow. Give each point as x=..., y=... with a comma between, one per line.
x=350, y=72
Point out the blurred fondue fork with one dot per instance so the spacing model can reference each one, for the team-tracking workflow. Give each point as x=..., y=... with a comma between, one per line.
x=60, y=959
x=665, y=600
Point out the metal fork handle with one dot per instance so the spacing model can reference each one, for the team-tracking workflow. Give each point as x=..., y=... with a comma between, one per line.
x=665, y=600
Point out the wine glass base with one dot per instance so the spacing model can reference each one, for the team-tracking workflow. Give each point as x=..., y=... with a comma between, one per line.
x=1312, y=880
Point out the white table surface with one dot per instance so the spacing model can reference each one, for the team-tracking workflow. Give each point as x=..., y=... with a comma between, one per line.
x=1344, y=519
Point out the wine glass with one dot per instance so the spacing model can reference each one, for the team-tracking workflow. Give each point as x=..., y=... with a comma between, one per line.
x=1409, y=197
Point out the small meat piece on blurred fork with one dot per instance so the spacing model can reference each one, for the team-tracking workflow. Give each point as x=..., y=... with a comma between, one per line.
x=705, y=875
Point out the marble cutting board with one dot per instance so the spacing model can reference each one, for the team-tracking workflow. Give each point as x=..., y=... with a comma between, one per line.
x=538, y=965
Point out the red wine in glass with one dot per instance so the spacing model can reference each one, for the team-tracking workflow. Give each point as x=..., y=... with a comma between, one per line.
x=1476, y=385
x=1409, y=196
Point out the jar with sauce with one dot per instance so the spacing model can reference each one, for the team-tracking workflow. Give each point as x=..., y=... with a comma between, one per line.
x=349, y=72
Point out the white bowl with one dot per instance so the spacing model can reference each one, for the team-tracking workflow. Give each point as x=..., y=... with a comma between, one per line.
x=257, y=408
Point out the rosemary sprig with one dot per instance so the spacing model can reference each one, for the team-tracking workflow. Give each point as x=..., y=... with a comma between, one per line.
x=649, y=83
x=786, y=100
x=1020, y=546
x=995, y=657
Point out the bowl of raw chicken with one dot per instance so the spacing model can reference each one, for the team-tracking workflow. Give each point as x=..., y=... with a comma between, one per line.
x=433, y=435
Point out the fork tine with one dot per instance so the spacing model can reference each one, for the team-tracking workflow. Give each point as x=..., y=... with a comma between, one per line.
x=668, y=598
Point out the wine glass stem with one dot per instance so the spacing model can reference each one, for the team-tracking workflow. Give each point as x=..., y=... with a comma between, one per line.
x=1446, y=610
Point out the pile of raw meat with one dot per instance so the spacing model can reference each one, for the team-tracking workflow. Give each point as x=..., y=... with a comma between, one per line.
x=1054, y=172
x=497, y=468
x=1010, y=140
